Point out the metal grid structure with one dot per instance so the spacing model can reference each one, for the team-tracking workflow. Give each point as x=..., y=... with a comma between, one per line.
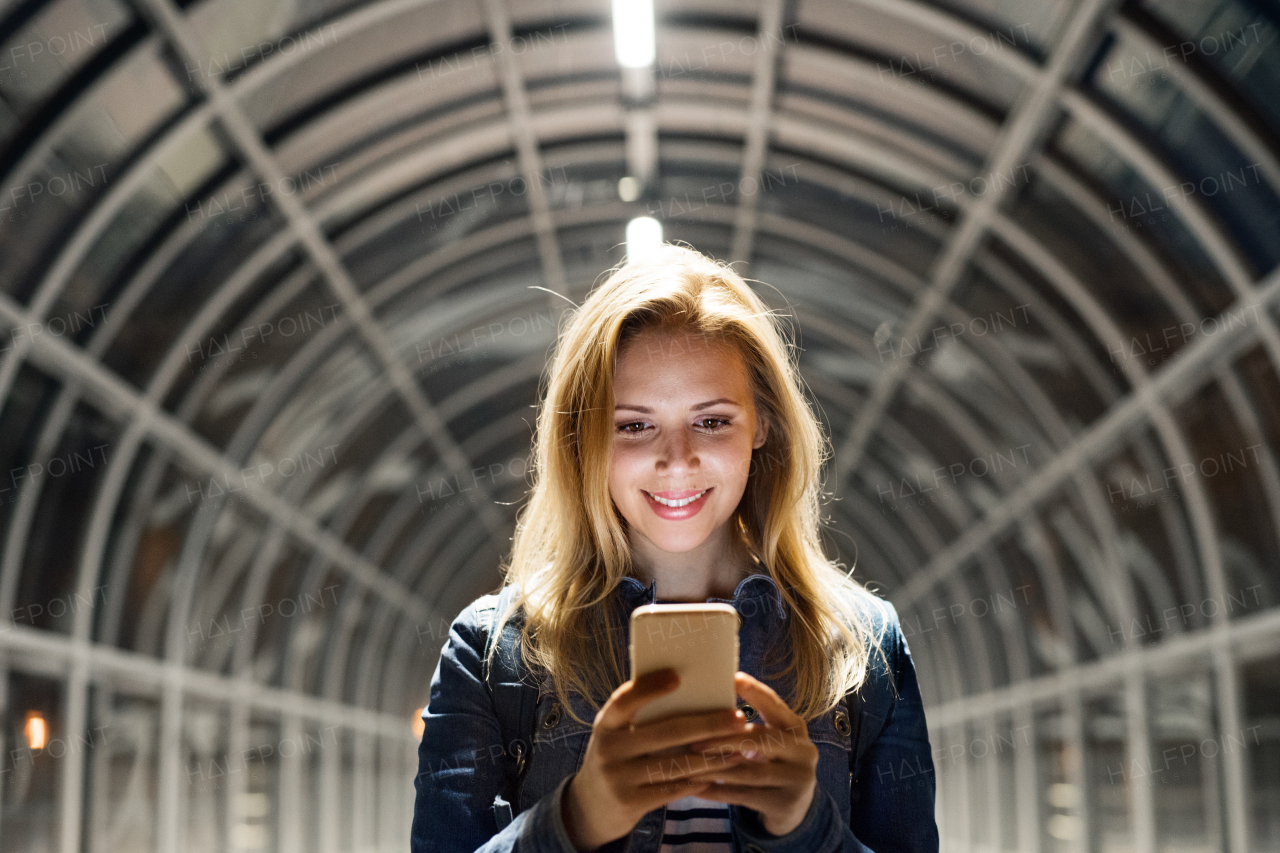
x=336, y=238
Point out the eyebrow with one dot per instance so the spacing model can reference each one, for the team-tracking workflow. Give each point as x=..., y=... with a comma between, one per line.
x=700, y=406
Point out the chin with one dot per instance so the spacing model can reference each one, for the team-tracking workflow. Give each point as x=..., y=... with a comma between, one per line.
x=677, y=542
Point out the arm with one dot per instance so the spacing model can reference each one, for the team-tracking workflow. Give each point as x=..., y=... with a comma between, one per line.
x=460, y=763
x=893, y=793
x=892, y=809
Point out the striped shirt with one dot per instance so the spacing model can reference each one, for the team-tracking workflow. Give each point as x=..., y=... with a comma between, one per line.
x=695, y=825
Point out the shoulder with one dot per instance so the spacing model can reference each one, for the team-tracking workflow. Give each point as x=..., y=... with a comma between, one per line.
x=477, y=619
x=882, y=634
x=877, y=615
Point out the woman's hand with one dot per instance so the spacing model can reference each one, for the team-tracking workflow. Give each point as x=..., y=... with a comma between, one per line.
x=629, y=770
x=779, y=777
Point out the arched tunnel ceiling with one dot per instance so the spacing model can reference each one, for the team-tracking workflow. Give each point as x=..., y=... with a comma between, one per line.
x=280, y=280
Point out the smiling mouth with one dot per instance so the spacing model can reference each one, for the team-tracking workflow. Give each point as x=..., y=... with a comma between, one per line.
x=685, y=498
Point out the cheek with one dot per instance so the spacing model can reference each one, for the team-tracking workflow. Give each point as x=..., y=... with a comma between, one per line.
x=733, y=462
x=622, y=466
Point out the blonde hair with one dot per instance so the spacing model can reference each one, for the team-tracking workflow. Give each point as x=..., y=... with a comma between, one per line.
x=571, y=550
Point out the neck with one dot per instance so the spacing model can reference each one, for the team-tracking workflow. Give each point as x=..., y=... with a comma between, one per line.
x=712, y=570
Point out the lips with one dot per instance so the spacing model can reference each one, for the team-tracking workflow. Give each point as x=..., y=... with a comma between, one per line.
x=678, y=505
x=677, y=499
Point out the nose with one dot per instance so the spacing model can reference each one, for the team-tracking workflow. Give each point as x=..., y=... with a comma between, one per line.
x=677, y=454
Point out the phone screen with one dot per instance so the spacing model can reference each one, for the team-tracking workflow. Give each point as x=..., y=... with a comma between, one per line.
x=700, y=642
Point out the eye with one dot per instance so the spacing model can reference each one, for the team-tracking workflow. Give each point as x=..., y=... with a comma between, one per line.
x=632, y=427
x=712, y=424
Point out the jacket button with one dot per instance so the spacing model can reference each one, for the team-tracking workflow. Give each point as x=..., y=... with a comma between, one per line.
x=749, y=711
x=842, y=723
x=552, y=719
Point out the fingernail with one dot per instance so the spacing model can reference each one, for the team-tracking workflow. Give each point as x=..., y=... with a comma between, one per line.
x=750, y=754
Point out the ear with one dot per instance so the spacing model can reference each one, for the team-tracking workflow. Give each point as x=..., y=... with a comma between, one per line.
x=762, y=431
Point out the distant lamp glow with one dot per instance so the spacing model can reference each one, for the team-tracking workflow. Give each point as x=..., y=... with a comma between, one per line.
x=249, y=836
x=644, y=237
x=419, y=726
x=1063, y=795
x=1063, y=827
x=254, y=805
x=628, y=188
x=36, y=730
x=633, y=42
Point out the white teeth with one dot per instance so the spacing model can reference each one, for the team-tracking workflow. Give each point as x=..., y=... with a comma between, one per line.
x=682, y=502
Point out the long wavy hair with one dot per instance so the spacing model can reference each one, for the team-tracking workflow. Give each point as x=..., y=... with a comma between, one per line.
x=571, y=548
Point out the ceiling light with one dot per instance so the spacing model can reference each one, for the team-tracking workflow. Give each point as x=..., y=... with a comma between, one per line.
x=35, y=730
x=633, y=41
x=628, y=188
x=644, y=237
x=419, y=724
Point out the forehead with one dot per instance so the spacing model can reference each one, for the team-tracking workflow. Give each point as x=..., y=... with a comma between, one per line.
x=680, y=363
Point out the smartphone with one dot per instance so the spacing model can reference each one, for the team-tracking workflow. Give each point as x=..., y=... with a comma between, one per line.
x=700, y=642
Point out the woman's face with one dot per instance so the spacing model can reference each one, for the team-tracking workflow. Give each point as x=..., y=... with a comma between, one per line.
x=685, y=424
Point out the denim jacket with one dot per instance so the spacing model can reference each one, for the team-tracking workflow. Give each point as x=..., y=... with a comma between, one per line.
x=875, y=774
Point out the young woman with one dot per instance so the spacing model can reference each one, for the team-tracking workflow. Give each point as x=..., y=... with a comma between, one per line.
x=676, y=459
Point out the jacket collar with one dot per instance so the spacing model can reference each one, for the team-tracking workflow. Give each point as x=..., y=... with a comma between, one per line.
x=754, y=586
